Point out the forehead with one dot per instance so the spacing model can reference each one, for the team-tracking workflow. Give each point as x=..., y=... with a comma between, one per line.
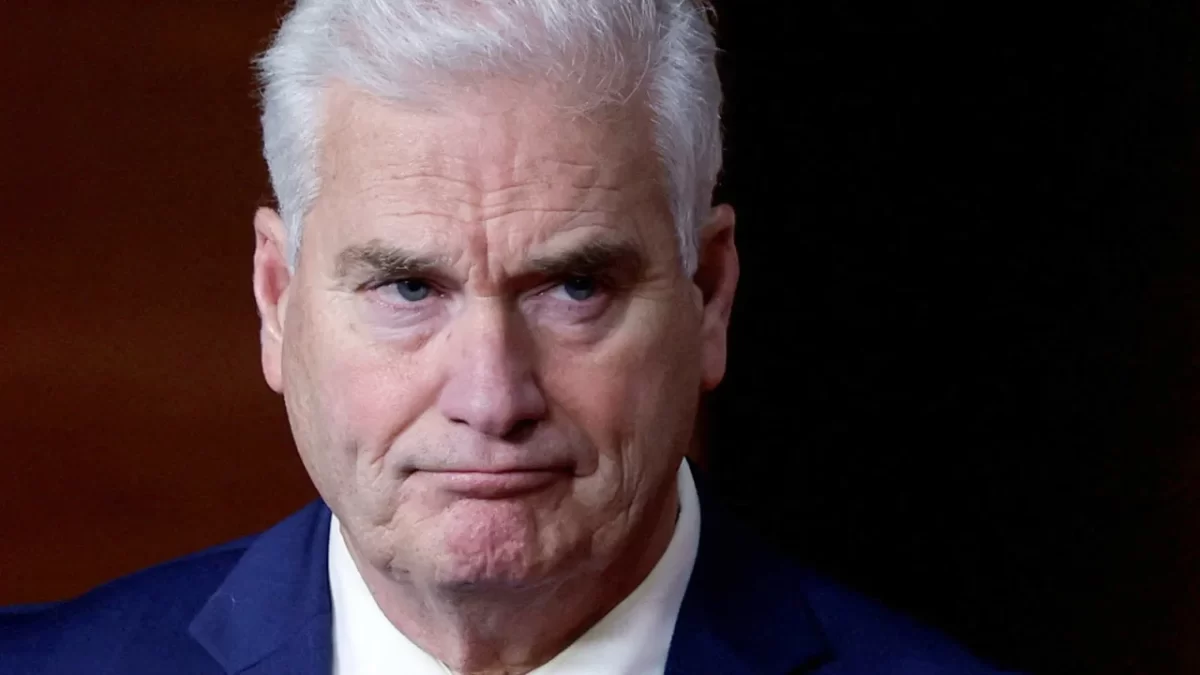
x=480, y=158
x=492, y=135
x=486, y=183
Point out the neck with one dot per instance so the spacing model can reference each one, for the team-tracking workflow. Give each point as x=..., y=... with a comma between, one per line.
x=511, y=631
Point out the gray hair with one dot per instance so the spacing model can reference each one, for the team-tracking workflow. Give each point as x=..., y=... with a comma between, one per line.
x=606, y=52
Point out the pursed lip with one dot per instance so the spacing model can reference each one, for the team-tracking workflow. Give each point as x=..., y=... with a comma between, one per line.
x=493, y=484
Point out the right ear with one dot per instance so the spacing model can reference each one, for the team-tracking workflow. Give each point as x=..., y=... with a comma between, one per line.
x=271, y=280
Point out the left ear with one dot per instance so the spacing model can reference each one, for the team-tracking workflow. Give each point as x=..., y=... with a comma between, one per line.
x=716, y=278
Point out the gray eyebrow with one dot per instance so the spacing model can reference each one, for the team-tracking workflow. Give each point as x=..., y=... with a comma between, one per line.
x=592, y=257
x=374, y=260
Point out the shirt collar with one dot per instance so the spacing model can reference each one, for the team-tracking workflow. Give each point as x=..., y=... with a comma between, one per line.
x=634, y=637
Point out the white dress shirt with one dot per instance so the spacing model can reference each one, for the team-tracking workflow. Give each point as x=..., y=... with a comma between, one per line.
x=632, y=639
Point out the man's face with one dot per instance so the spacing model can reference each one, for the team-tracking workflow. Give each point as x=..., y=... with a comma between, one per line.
x=490, y=355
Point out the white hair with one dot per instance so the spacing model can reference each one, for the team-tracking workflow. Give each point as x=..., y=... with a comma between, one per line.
x=660, y=53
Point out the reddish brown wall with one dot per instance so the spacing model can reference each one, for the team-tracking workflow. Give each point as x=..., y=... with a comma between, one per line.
x=134, y=423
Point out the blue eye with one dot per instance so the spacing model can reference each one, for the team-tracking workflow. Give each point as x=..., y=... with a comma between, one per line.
x=412, y=290
x=579, y=289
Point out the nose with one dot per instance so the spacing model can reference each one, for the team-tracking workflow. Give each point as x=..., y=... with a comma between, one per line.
x=491, y=385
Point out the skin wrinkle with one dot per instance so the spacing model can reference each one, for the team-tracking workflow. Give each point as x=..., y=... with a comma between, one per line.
x=467, y=214
x=366, y=266
x=498, y=366
x=503, y=195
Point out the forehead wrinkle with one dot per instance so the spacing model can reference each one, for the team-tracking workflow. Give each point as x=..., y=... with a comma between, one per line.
x=492, y=165
x=419, y=206
x=583, y=175
x=380, y=200
x=550, y=221
x=470, y=177
x=541, y=171
x=459, y=199
x=505, y=153
x=463, y=197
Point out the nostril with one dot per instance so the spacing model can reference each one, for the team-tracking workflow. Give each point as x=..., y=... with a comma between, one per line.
x=521, y=431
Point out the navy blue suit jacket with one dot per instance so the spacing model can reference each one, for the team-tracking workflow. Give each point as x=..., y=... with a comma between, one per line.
x=260, y=606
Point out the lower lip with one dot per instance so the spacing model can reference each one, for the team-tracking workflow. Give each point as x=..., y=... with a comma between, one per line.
x=480, y=485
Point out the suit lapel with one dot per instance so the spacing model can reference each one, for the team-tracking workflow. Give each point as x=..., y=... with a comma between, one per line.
x=272, y=613
x=745, y=611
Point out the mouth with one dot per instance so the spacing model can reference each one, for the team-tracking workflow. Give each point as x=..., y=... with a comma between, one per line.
x=497, y=484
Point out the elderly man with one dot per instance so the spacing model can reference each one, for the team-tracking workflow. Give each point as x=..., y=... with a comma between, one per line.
x=492, y=296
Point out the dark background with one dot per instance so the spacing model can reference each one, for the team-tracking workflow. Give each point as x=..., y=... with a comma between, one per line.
x=964, y=367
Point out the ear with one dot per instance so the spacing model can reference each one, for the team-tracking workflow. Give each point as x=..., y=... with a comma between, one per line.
x=716, y=278
x=271, y=280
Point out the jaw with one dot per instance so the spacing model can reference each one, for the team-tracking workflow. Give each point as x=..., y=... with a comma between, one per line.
x=508, y=595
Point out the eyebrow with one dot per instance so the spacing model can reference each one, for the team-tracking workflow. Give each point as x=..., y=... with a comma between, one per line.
x=610, y=256
x=375, y=262
x=362, y=264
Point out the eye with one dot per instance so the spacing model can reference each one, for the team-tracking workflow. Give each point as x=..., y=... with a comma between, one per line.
x=579, y=289
x=412, y=290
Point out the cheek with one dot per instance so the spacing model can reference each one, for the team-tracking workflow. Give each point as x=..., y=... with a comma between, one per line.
x=376, y=395
x=634, y=395
x=354, y=395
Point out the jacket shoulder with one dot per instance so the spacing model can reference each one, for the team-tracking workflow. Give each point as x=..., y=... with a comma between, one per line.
x=867, y=637
x=769, y=613
x=144, y=615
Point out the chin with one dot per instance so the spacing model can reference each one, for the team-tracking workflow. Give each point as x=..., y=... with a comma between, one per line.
x=492, y=544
